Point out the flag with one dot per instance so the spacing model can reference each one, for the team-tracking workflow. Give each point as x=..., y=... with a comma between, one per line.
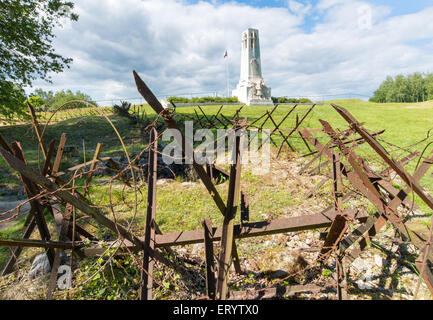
x=225, y=54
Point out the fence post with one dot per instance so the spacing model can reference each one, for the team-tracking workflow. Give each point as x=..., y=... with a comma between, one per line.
x=227, y=232
x=149, y=236
x=210, y=264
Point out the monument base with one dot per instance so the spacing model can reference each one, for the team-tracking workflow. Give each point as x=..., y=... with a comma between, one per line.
x=253, y=94
x=256, y=102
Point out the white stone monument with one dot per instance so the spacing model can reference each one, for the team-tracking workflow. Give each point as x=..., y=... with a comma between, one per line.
x=252, y=89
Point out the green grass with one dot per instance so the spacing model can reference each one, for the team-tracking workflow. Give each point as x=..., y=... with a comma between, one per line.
x=181, y=206
x=405, y=124
x=13, y=232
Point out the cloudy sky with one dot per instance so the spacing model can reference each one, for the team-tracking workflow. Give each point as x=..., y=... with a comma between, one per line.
x=308, y=47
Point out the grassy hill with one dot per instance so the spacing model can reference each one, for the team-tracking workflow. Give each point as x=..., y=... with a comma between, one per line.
x=180, y=206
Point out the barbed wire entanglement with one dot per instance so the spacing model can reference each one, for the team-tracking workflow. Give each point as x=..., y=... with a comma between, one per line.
x=113, y=233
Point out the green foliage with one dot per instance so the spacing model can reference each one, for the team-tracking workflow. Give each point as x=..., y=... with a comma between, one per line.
x=116, y=279
x=37, y=102
x=51, y=102
x=232, y=99
x=304, y=100
x=415, y=87
x=178, y=100
x=290, y=100
x=26, y=52
x=203, y=100
x=326, y=272
x=12, y=97
x=46, y=96
x=123, y=108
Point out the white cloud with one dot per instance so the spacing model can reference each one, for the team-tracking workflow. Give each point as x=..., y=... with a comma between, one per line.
x=178, y=47
x=298, y=8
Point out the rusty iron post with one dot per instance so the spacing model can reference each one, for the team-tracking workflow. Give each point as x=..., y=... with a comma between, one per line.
x=59, y=154
x=186, y=149
x=282, y=135
x=376, y=223
x=31, y=219
x=245, y=207
x=47, y=164
x=32, y=190
x=228, y=224
x=362, y=181
x=246, y=230
x=17, y=250
x=37, y=129
x=277, y=126
x=298, y=123
x=210, y=261
x=339, y=224
x=149, y=235
x=57, y=259
x=209, y=170
x=26, y=171
x=398, y=168
x=92, y=167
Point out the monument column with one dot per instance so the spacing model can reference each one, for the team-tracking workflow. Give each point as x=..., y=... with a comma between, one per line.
x=252, y=89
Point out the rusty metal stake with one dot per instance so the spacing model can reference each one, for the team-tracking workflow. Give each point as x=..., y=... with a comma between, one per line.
x=149, y=236
x=92, y=167
x=32, y=190
x=227, y=232
x=210, y=262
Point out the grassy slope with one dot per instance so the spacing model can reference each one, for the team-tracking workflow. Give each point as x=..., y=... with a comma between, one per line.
x=181, y=206
x=404, y=125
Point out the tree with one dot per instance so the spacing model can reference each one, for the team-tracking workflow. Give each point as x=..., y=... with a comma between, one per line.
x=26, y=51
x=61, y=97
x=415, y=87
x=37, y=102
x=47, y=96
x=48, y=101
x=11, y=95
x=429, y=86
x=399, y=91
x=380, y=94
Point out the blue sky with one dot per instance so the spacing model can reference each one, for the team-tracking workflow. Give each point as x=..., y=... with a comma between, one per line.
x=398, y=6
x=309, y=47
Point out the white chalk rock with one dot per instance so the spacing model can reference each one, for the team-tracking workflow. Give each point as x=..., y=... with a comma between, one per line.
x=40, y=266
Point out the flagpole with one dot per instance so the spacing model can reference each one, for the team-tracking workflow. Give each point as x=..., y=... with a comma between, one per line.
x=227, y=75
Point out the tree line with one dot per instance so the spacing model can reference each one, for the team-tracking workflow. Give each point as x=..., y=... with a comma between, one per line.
x=49, y=101
x=232, y=100
x=175, y=99
x=416, y=87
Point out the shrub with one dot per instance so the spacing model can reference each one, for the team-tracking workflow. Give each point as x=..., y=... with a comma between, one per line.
x=290, y=100
x=203, y=100
x=305, y=100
